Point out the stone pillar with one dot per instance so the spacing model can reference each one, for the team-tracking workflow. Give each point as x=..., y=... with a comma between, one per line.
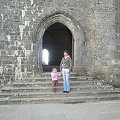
x=40, y=68
x=113, y=73
x=38, y=58
x=78, y=51
x=78, y=60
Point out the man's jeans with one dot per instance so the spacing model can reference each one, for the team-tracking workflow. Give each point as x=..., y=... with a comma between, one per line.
x=66, y=81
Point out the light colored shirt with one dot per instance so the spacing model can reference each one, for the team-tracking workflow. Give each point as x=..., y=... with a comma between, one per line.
x=66, y=56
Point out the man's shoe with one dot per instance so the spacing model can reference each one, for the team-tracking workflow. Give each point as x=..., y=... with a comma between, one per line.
x=67, y=91
x=64, y=91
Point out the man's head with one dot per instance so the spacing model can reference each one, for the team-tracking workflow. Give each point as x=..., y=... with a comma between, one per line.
x=66, y=53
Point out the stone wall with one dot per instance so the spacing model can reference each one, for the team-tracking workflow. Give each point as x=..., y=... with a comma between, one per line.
x=100, y=36
x=20, y=18
x=113, y=73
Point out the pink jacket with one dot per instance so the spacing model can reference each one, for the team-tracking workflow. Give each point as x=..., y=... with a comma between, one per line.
x=54, y=76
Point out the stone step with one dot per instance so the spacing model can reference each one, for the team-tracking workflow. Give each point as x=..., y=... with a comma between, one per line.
x=43, y=79
x=46, y=89
x=49, y=93
x=48, y=83
x=67, y=100
x=48, y=74
x=58, y=94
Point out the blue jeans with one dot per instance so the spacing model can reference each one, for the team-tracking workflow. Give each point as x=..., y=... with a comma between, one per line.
x=66, y=81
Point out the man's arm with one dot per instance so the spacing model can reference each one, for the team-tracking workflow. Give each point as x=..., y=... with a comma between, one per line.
x=61, y=65
x=70, y=62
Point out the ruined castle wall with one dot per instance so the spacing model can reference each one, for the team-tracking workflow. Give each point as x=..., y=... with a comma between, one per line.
x=19, y=18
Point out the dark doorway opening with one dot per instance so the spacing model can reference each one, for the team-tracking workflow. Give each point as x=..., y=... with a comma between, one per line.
x=56, y=39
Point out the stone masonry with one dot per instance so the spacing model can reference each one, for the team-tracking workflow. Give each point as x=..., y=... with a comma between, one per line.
x=94, y=24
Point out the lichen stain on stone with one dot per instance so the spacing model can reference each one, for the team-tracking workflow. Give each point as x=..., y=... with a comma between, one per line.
x=2, y=17
x=21, y=27
x=8, y=37
x=32, y=2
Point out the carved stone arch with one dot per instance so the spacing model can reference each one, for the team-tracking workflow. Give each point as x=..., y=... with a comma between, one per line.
x=77, y=33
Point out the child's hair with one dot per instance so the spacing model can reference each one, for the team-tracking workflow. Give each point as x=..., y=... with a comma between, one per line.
x=54, y=69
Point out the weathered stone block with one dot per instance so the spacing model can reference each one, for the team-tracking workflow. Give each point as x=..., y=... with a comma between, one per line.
x=13, y=48
x=1, y=45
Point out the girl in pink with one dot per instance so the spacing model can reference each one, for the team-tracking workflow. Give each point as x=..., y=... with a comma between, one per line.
x=54, y=77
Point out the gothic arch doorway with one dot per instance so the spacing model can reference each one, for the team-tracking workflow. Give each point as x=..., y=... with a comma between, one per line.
x=56, y=39
x=77, y=35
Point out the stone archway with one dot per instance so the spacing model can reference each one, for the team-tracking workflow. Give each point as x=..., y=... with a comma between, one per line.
x=77, y=33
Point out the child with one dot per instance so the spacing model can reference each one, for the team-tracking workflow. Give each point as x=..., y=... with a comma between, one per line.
x=54, y=77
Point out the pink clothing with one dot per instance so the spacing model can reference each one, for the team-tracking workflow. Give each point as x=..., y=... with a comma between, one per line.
x=54, y=76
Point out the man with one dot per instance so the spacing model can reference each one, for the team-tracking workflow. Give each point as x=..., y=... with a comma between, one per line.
x=65, y=67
